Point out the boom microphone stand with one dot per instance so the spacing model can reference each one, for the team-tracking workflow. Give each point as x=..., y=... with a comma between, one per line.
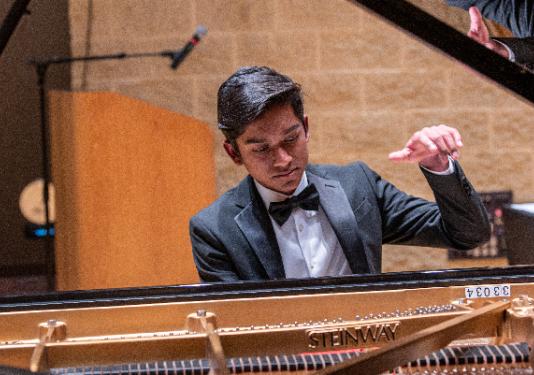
x=41, y=67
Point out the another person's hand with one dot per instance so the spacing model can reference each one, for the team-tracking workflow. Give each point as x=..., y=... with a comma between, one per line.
x=479, y=32
x=431, y=148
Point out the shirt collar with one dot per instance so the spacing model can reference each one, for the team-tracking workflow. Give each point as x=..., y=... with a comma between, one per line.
x=267, y=195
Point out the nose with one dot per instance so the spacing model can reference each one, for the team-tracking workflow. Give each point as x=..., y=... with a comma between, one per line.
x=281, y=157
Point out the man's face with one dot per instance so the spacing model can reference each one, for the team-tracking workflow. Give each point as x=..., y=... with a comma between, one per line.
x=274, y=149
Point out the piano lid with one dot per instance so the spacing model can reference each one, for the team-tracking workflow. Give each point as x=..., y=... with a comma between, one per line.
x=451, y=42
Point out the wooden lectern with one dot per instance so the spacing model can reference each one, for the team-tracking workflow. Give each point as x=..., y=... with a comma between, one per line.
x=128, y=176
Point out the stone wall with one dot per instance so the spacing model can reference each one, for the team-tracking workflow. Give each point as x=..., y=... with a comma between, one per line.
x=367, y=85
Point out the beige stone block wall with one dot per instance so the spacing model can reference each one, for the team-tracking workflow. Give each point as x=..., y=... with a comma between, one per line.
x=367, y=85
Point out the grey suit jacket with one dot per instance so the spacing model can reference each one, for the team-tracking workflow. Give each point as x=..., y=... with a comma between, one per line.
x=233, y=239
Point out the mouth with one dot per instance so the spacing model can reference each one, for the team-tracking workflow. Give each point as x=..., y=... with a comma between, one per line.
x=287, y=174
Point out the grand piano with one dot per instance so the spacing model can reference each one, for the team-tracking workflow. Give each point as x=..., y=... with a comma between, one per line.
x=450, y=321
x=462, y=320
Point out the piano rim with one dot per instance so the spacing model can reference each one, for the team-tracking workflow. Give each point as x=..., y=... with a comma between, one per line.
x=269, y=288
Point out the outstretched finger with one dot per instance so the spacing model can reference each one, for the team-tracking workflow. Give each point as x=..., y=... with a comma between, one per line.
x=476, y=20
x=477, y=29
x=401, y=155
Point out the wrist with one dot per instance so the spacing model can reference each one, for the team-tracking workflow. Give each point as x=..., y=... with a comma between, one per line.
x=436, y=163
x=499, y=48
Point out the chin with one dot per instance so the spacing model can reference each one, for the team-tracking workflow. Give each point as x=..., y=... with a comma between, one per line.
x=288, y=190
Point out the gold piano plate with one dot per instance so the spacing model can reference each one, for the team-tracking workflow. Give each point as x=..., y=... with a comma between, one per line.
x=258, y=324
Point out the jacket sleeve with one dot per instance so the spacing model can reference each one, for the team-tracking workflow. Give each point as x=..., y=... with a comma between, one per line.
x=212, y=261
x=457, y=220
x=523, y=49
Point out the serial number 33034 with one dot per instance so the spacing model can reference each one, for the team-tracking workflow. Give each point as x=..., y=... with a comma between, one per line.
x=488, y=291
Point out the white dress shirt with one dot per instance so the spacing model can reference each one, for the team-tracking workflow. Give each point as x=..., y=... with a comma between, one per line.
x=307, y=242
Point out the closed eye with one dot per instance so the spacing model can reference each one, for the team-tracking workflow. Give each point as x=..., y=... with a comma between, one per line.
x=292, y=139
x=261, y=149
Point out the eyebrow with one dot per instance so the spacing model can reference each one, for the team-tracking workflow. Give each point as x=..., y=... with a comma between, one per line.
x=259, y=140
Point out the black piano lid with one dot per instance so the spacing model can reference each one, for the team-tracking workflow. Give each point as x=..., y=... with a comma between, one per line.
x=449, y=41
x=272, y=288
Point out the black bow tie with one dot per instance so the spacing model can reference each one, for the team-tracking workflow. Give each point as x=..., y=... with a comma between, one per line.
x=308, y=199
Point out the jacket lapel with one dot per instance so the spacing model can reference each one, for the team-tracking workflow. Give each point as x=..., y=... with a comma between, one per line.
x=254, y=222
x=336, y=205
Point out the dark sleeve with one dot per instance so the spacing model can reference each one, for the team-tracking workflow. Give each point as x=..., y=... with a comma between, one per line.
x=211, y=259
x=523, y=49
x=516, y=15
x=463, y=214
x=457, y=220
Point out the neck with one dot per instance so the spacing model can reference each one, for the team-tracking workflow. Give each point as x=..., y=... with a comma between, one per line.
x=267, y=195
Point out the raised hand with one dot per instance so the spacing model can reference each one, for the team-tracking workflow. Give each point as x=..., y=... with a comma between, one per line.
x=431, y=148
x=479, y=32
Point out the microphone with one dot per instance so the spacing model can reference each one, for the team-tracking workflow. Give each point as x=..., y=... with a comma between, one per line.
x=180, y=55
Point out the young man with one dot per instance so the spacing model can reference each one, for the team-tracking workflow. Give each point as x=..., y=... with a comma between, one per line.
x=336, y=218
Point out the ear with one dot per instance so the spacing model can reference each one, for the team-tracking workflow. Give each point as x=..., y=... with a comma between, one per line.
x=306, y=128
x=234, y=155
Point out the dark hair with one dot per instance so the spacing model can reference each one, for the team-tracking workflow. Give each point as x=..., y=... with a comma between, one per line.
x=249, y=93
